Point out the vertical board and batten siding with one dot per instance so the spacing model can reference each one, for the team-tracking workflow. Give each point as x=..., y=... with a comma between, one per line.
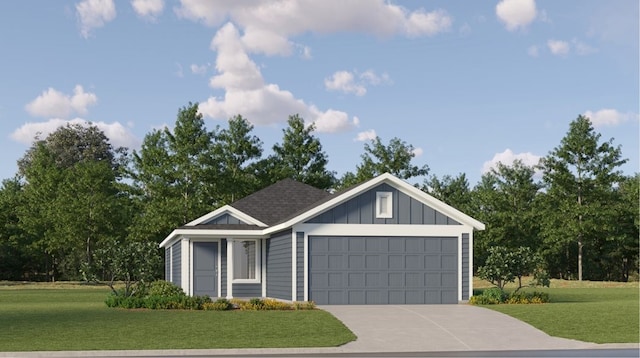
x=224, y=219
x=299, y=266
x=279, y=266
x=361, y=210
x=465, y=267
x=223, y=268
x=176, y=261
x=167, y=264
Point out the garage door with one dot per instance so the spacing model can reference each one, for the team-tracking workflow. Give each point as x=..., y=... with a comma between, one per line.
x=383, y=270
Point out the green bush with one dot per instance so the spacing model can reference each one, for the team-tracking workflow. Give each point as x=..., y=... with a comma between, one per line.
x=304, y=305
x=222, y=304
x=494, y=296
x=164, y=288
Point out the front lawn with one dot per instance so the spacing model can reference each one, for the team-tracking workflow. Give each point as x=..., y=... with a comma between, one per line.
x=36, y=319
x=586, y=311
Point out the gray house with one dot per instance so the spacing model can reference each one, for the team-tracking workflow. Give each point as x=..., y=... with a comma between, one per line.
x=380, y=242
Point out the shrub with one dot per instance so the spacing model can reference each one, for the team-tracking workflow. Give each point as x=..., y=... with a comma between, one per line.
x=495, y=296
x=272, y=304
x=164, y=288
x=222, y=304
x=304, y=305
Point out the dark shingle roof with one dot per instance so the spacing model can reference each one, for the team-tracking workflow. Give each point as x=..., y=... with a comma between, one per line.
x=280, y=201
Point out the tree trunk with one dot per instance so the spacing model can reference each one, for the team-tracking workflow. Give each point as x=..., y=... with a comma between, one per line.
x=580, y=259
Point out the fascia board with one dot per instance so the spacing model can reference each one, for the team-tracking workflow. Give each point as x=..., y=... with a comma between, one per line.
x=227, y=209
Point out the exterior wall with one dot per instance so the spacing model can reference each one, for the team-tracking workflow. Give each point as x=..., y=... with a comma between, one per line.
x=279, y=252
x=465, y=267
x=299, y=266
x=167, y=264
x=361, y=210
x=176, y=263
x=223, y=267
x=224, y=219
x=247, y=290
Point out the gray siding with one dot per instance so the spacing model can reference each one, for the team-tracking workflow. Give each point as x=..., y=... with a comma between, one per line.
x=361, y=210
x=247, y=290
x=176, y=259
x=224, y=219
x=279, y=266
x=167, y=264
x=300, y=266
x=223, y=267
x=465, y=266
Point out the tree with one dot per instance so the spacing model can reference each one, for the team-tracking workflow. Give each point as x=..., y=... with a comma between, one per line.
x=579, y=177
x=378, y=158
x=176, y=176
x=505, y=265
x=506, y=201
x=16, y=257
x=71, y=186
x=452, y=190
x=300, y=156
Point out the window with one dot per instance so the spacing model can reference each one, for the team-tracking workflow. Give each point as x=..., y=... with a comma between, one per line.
x=245, y=261
x=384, y=207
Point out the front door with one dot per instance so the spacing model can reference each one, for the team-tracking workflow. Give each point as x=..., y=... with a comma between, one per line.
x=205, y=269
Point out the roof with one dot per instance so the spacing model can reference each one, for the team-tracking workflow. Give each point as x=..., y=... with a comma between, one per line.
x=288, y=202
x=280, y=201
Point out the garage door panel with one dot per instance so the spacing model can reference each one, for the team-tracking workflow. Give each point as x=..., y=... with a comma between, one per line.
x=383, y=270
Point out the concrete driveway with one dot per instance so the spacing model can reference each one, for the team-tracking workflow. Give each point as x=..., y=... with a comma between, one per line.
x=420, y=328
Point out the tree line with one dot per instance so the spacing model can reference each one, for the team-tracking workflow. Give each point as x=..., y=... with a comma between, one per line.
x=75, y=194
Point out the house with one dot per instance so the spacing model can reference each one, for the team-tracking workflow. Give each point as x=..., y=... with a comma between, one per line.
x=381, y=242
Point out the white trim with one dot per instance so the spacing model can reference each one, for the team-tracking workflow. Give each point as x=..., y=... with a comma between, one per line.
x=401, y=185
x=388, y=209
x=264, y=267
x=227, y=209
x=213, y=234
x=257, y=274
x=219, y=268
x=306, y=267
x=294, y=269
x=459, y=269
x=185, y=265
x=382, y=230
x=470, y=263
x=229, y=269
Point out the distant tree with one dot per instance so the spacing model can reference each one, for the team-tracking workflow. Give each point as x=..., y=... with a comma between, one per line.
x=379, y=158
x=580, y=176
x=300, y=156
x=16, y=256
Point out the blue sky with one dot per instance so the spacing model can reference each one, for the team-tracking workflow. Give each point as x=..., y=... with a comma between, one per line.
x=467, y=83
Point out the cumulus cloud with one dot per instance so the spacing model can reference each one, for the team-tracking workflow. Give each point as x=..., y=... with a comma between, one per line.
x=268, y=26
x=366, y=136
x=559, y=48
x=53, y=103
x=609, y=117
x=93, y=14
x=354, y=82
x=508, y=157
x=417, y=152
x=247, y=93
x=149, y=9
x=119, y=135
x=516, y=14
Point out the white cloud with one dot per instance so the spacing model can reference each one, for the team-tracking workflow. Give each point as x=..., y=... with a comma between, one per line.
x=417, y=152
x=557, y=47
x=582, y=48
x=149, y=9
x=52, y=103
x=119, y=135
x=609, y=117
x=516, y=14
x=508, y=157
x=354, y=82
x=366, y=136
x=267, y=26
x=94, y=14
x=533, y=51
x=199, y=69
x=247, y=93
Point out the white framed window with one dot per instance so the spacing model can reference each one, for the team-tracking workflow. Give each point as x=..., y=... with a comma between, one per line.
x=246, y=264
x=384, y=205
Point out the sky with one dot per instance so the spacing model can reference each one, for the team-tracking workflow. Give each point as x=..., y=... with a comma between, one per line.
x=467, y=83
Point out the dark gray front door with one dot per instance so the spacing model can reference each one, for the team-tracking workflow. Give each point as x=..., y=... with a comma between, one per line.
x=205, y=273
x=383, y=270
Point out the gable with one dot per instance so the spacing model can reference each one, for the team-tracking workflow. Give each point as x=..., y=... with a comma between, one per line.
x=224, y=219
x=361, y=210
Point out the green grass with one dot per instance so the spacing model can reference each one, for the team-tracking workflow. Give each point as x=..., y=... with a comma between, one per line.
x=77, y=319
x=587, y=311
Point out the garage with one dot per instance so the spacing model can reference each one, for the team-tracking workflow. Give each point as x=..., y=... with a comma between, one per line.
x=383, y=270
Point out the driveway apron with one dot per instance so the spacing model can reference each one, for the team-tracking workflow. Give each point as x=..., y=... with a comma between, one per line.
x=413, y=328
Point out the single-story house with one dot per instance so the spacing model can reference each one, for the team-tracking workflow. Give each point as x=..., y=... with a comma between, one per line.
x=380, y=242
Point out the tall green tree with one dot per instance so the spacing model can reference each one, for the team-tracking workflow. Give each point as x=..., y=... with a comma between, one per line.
x=505, y=200
x=378, y=158
x=454, y=191
x=579, y=177
x=238, y=152
x=175, y=174
x=71, y=185
x=300, y=156
x=16, y=257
